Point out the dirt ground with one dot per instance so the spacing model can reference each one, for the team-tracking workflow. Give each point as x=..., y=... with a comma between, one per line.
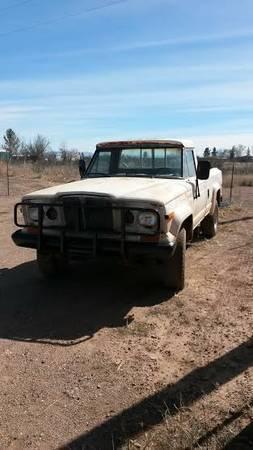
x=75, y=373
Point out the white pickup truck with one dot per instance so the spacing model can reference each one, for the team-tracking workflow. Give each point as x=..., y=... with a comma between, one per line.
x=139, y=200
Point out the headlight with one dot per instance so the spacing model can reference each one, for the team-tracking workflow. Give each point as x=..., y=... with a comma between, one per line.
x=147, y=219
x=33, y=213
x=52, y=213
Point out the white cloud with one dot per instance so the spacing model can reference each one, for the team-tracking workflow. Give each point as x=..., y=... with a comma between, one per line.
x=13, y=112
x=182, y=40
x=137, y=88
x=179, y=40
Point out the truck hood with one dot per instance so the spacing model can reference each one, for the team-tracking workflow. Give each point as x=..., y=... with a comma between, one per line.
x=156, y=190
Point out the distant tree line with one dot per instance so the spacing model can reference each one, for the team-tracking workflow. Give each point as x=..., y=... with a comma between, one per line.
x=236, y=152
x=36, y=150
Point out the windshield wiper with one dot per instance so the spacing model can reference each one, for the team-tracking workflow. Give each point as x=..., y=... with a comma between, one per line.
x=132, y=174
x=163, y=175
x=148, y=175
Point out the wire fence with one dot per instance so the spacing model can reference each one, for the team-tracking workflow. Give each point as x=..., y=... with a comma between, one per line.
x=19, y=177
x=236, y=176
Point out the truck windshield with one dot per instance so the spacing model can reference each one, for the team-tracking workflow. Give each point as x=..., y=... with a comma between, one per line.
x=153, y=162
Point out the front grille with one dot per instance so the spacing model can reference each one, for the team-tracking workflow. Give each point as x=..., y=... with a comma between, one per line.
x=87, y=214
x=72, y=208
x=98, y=214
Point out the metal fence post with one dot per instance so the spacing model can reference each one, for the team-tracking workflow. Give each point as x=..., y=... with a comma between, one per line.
x=7, y=173
x=232, y=182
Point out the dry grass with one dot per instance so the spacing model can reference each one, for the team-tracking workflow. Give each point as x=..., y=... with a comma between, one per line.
x=53, y=173
x=186, y=428
x=243, y=173
x=136, y=328
x=61, y=173
x=35, y=176
x=239, y=180
x=2, y=168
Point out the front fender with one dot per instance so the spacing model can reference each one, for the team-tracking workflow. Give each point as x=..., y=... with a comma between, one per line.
x=216, y=189
x=180, y=215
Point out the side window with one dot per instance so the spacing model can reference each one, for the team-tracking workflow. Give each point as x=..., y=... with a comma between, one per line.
x=190, y=164
x=185, y=168
x=102, y=163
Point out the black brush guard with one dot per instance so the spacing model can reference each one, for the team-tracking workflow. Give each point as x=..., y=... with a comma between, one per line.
x=78, y=235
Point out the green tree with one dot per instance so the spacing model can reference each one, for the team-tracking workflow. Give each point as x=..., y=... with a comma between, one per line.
x=65, y=153
x=214, y=152
x=38, y=148
x=232, y=153
x=51, y=156
x=68, y=155
x=11, y=142
x=24, y=150
x=239, y=150
x=207, y=152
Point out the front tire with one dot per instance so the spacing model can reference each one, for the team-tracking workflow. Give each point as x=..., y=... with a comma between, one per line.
x=210, y=224
x=51, y=264
x=173, y=269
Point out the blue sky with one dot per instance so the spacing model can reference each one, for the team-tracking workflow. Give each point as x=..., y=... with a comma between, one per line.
x=83, y=71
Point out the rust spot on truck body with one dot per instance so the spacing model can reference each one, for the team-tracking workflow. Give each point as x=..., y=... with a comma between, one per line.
x=140, y=144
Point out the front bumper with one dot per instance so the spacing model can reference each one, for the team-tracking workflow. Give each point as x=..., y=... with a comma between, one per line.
x=93, y=246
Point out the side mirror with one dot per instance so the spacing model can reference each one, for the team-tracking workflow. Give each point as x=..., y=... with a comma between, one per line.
x=82, y=167
x=203, y=170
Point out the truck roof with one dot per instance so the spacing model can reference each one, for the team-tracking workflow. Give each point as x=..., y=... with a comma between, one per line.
x=147, y=143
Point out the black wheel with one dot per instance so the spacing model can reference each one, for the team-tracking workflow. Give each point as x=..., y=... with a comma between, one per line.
x=210, y=224
x=173, y=269
x=51, y=264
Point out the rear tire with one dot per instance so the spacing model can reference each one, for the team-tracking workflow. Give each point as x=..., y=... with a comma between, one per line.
x=173, y=269
x=210, y=224
x=51, y=264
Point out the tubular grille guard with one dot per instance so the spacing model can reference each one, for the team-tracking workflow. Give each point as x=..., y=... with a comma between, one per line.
x=82, y=207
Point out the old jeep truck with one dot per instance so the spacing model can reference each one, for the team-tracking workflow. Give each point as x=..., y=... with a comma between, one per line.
x=139, y=200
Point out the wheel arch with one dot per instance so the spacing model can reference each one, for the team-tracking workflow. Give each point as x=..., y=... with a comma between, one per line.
x=183, y=219
x=188, y=226
x=216, y=197
x=219, y=197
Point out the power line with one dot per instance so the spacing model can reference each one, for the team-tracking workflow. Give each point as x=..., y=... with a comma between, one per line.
x=58, y=19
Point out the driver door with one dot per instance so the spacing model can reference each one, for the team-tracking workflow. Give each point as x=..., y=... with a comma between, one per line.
x=199, y=196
